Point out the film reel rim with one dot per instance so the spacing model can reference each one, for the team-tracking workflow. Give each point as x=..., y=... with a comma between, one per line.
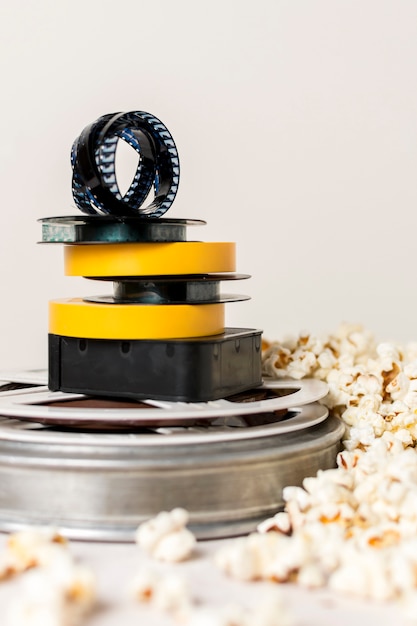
x=133, y=259
x=204, y=277
x=74, y=317
x=104, y=229
x=178, y=291
x=134, y=219
x=307, y=391
x=308, y=415
x=220, y=299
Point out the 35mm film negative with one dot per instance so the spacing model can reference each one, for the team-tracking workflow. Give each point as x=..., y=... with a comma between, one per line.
x=94, y=183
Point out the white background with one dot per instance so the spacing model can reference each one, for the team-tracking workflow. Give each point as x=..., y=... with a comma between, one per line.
x=296, y=125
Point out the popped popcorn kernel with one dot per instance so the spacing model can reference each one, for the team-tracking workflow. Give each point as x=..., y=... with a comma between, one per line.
x=388, y=538
x=44, y=599
x=248, y=558
x=143, y=585
x=166, y=537
x=352, y=528
x=28, y=548
x=167, y=593
x=280, y=522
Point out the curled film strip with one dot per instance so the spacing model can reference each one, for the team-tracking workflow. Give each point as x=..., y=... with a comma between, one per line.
x=94, y=183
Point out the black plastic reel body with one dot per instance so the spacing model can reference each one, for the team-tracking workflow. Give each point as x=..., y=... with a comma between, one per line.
x=189, y=370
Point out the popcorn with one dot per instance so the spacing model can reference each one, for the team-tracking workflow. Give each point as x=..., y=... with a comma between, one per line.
x=362, y=574
x=372, y=387
x=166, y=537
x=248, y=558
x=169, y=594
x=29, y=548
x=280, y=522
x=53, y=590
x=44, y=600
x=143, y=585
x=38, y=604
x=352, y=528
x=311, y=576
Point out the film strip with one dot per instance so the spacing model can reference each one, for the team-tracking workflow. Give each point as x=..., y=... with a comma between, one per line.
x=94, y=183
x=162, y=332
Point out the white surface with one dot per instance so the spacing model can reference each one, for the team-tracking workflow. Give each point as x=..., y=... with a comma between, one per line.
x=116, y=565
x=296, y=127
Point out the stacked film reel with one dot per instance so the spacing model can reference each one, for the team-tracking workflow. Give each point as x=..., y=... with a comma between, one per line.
x=96, y=469
x=150, y=402
x=162, y=332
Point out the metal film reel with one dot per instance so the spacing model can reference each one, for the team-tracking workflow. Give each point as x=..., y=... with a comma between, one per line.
x=62, y=409
x=224, y=463
x=89, y=229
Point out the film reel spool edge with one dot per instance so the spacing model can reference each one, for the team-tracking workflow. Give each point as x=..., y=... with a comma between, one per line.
x=75, y=318
x=102, y=229
x=135, y=259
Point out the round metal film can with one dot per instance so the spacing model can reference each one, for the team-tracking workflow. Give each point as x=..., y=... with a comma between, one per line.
x=101, y=485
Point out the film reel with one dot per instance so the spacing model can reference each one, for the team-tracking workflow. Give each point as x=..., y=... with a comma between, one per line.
x=94, y=183
x=74, y=317
x=110, y=229
x=147, y=259
x=99, y=485
x=170, y=290
x=57, y=408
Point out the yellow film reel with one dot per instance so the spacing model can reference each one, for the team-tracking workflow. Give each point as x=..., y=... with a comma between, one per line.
x=76, y=318
x=149, y=259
